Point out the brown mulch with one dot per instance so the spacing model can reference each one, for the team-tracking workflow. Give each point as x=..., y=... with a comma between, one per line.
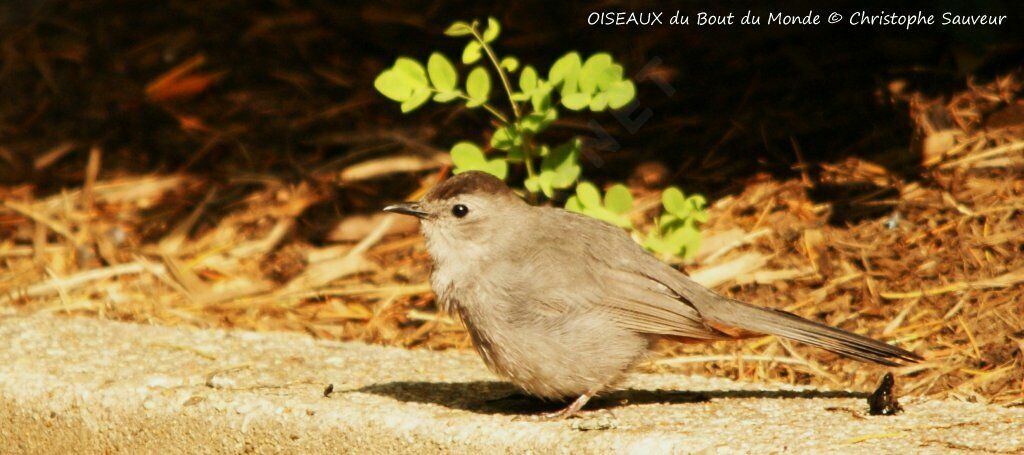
x=934, y=263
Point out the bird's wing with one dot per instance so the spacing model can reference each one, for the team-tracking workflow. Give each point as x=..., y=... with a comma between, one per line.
x=597, y=267
x=590, y=270
x=724, y=313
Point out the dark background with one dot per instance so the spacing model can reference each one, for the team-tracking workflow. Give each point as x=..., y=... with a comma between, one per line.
x=296, y=98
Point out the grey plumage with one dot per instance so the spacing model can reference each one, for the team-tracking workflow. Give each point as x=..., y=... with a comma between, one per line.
x=562, y=305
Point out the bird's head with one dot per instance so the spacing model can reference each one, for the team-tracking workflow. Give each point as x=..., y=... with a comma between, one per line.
x=467, y=216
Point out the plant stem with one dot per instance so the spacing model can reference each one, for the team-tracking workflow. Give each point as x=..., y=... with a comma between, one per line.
x=490, y=109
x=526, y=156
x=496, y=113
x=500, y=70
x=527, y=159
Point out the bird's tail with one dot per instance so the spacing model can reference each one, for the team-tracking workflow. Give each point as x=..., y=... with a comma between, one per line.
x=733, y=313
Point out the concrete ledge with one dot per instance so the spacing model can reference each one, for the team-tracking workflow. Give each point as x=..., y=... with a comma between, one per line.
x=89, y=386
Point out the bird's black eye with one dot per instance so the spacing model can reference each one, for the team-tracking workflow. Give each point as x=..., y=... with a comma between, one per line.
x=460, y=210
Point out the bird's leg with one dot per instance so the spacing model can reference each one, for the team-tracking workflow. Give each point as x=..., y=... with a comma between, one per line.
x=569, y=411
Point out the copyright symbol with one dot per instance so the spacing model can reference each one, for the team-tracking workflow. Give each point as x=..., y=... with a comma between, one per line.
x=834, y=18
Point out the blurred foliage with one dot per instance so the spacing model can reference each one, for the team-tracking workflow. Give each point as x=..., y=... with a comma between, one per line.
x=597, y=84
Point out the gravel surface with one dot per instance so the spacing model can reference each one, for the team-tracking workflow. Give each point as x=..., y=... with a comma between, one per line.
x=90, y=386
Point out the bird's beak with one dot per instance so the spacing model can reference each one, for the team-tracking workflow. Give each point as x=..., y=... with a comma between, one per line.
x=407, y=208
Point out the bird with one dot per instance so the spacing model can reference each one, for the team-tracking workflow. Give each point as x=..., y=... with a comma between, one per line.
x=563, y=305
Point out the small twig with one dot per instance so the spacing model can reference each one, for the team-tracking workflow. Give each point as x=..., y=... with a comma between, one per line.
x=92, y=169
x=970, y=337
x=814, y=367
x=396, y=290
x=42, y=219
x=173, y=241
x=733, y=245
x=1007, y=148
x=53, y=155
x=1001, y=281
x=62, y=284
x=417, y=315
x=330, y=270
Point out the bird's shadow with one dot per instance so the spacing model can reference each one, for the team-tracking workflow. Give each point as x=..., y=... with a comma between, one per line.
x=493, y=397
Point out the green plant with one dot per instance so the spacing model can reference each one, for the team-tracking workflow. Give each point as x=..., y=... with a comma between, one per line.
x=676, y=231
x=614, y=208
x=596, y=83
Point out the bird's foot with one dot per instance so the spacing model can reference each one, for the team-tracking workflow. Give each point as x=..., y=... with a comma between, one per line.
x=562, y=414
x=570, y=411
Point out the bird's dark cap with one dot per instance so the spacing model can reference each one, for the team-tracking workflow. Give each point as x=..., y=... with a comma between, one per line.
x=470, y=182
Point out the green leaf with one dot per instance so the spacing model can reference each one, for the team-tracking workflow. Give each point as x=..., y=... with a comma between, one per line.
x=445, y=97
x=696, y=201
x=674, y=201
x=419, y=96
x=565, y=176
x=541, y=99
x=565, y=67
x=693, y=247
x=576, y=101
x=539, y=121
x=657, y=244
x=392, y=85
x=565, y=73
x=599, y=102
x=588, y=202
x=471, y=53
x=595, y=69
x=573, y=204
x=545, y=179
x=607, y=216
x=511, y=64
x=505, y=138
x=668, y=222
x=610, y=76
x=528, y=79
x=515, y=155
x=684, y=240
x=458, y=28
x=556, y=157
x=618, y=199
x=563, y=163
x=442, y=72
x=478, y=87
x=493, y=30
x=496, y=167
x=466, y=155
x=621, y=93
x=413, y=70
x=532, y=184
x=401, y=81
x=590, y=196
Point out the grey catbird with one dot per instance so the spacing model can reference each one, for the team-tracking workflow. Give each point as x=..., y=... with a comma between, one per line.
x=562, y=305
